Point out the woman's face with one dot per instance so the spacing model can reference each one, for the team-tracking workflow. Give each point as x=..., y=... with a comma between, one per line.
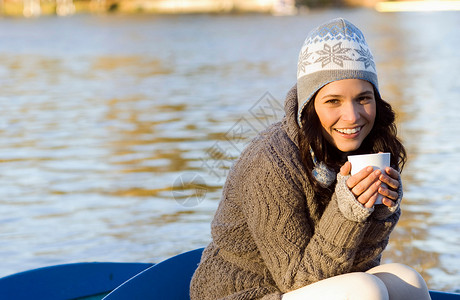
x=346, y=109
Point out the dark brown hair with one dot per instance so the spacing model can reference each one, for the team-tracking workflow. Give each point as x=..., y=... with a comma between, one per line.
x=382, y=138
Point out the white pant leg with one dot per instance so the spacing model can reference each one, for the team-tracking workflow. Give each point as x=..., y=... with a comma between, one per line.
x=351, y=286
x=401, y=281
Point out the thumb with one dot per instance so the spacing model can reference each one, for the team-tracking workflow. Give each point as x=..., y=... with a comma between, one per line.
x=345, y=169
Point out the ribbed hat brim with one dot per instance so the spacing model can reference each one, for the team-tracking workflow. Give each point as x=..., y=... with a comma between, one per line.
x=307, y=86
x=334, y=51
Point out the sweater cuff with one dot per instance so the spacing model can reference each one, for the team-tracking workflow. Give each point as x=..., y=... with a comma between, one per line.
x=382, y=211
x=275, y=296
x=338, y=230
x=348, y=204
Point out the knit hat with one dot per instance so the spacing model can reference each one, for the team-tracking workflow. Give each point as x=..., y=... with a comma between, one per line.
x=334, y=51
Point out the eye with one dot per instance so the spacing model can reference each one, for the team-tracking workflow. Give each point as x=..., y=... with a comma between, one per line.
x=332, y=101
x=365, y=99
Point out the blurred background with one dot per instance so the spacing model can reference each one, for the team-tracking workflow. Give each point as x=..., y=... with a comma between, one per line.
x=119, y=121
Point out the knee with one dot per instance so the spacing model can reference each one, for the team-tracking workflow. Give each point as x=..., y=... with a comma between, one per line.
x=368, y=286
x=402, y=281
x=354, y=286
x=407, y=274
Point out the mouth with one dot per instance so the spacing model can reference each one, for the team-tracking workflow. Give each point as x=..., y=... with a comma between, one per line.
x=349, y=131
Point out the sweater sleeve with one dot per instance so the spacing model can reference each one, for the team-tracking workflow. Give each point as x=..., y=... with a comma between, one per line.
x=382, y=222
x=296, y=250
x=374, y=242
x=354, y=210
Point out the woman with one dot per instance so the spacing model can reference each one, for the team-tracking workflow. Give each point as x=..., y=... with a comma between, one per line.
x=292, y=222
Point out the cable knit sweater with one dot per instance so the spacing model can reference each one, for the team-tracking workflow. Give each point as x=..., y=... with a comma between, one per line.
x=270, y=235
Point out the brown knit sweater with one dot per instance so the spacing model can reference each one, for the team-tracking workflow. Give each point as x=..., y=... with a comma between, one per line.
x=270, y=235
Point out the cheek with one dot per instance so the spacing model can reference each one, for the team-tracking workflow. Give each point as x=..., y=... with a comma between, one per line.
x=327, y=119
x=371, y=113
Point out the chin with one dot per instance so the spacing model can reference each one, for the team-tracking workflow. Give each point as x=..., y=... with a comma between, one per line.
x=348, y=148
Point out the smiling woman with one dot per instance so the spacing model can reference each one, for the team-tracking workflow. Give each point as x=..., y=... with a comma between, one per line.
x=293, y=223
x=346, y=110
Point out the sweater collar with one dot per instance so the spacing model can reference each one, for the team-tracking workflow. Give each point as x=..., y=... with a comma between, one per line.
x=321, y=172
x=290, y=120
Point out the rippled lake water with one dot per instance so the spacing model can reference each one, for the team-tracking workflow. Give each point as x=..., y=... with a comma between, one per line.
x=104, y=117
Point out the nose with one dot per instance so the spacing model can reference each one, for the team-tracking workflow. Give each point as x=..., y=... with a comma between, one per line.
x=351, y=113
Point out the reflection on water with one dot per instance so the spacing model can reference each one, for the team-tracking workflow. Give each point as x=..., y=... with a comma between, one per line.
x=101, y=115
x=429, y=128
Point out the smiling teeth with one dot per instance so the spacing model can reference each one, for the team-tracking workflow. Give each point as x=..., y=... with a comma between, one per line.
x=349, y=131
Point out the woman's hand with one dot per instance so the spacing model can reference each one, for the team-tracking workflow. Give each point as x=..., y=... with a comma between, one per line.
x=367, y=184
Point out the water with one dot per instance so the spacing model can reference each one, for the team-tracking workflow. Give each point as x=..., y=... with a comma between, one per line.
x=102, y=116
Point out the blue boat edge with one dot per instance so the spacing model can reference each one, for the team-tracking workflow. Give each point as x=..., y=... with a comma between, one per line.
x=113, y=280
x=82, y=280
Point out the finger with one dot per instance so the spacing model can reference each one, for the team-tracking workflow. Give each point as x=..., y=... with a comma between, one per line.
x=388, y=202
x=345, y=169
x=358, y=177
x=366, y=183
x=371, y=201
x=369, y=197
x=392, y=179
x=392, y=172
x=392, y=183
x=386, y=192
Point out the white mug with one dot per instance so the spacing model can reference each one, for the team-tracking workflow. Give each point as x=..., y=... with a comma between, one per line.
x=375, y=160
